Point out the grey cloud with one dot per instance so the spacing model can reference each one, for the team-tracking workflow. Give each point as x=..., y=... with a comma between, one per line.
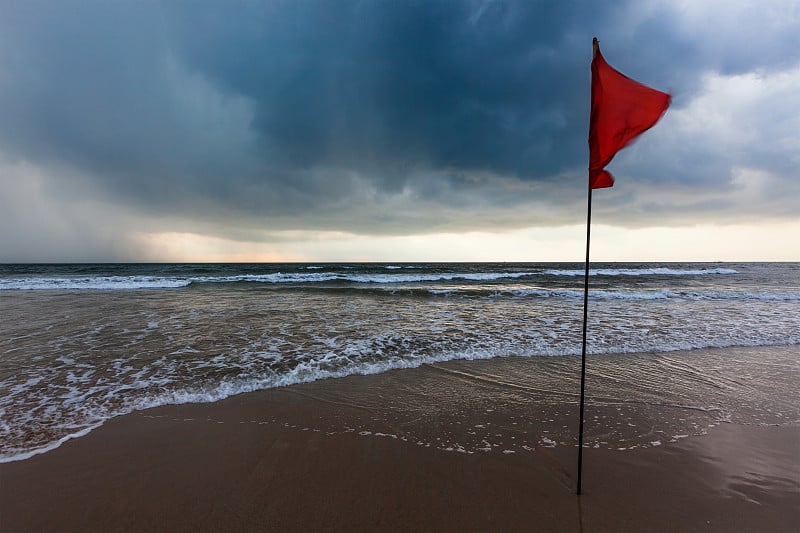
x=370, y=85
x=315, y=114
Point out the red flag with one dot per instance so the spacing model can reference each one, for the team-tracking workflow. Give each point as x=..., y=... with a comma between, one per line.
x=622, y=109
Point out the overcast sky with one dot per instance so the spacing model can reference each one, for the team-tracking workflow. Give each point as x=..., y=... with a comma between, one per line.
x=391, y=130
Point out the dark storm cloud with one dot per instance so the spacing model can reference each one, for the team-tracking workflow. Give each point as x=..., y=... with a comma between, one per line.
x=487, y=86
x=439, y=84
x=319, y=114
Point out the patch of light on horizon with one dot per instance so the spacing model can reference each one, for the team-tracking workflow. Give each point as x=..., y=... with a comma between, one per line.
x=740, y=242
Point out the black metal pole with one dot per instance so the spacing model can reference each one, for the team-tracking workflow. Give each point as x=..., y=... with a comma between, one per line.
x=583, y=348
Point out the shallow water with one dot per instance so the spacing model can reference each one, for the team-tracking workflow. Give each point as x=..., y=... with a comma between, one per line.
x=510, y=405
x=82, y=343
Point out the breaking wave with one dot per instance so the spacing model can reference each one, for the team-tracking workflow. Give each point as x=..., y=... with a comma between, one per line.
x=392, y=277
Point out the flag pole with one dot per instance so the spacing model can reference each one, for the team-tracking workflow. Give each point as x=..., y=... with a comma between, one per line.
x=583, y=347
x=595, y=48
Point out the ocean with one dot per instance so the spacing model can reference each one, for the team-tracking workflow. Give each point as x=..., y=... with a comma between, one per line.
x=80, y=344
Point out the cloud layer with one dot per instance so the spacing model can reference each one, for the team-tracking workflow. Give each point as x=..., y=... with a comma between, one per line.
x=381, y=118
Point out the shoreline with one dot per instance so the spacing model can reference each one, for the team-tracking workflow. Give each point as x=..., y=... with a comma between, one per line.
x=563, y=392
x=448, y=447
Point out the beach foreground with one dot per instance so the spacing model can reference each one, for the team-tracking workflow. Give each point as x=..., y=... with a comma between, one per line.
x=324, y=456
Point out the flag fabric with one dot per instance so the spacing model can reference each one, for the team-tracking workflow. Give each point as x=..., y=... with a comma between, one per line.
x=622, y=109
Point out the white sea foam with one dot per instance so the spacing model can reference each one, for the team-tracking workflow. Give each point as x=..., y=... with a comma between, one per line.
x=27, y=454
x=93, y=283
x=622, y=294
x=305, y=372
x=594, y=294
x=736, y=295
x=383, y=278
x=154, y=282
x=641, y=272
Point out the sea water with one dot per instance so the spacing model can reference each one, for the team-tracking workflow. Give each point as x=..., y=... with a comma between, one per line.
x=80, y=344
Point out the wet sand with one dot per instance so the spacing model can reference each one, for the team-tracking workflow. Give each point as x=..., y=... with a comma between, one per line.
x=367, y=453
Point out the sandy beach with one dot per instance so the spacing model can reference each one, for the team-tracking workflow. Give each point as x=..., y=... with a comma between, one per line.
x=340, y=455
